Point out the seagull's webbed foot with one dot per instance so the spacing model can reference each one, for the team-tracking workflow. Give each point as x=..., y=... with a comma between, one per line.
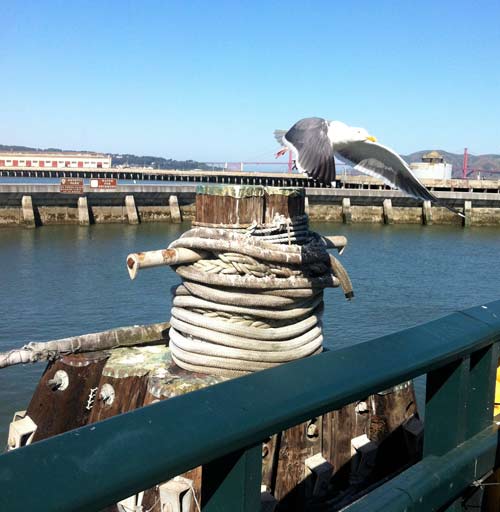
x=281, y=152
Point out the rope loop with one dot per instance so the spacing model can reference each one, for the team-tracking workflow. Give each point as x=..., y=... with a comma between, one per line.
x=254, y=301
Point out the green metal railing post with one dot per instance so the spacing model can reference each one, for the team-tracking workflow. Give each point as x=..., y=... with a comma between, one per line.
x=233, y=482
x=446, y=407
x=447, y=394
x=482, y=381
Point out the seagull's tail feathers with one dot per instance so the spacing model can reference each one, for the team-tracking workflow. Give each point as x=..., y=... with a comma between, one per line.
x=278, y=135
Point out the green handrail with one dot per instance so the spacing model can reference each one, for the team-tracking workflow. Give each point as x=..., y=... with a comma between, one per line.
x=222, y=426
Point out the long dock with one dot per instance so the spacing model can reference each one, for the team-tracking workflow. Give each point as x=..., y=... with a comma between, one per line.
x=354, y=199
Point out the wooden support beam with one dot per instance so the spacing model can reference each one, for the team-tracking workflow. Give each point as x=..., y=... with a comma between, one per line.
x=133, y=217
x=175, y=212
x=83, y=211
x=346, y=210
x=388, y=213
x=427, y=213
x=28, y=212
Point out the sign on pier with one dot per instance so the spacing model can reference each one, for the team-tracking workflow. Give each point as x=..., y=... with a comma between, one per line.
x=103, y=183
x=71, y=186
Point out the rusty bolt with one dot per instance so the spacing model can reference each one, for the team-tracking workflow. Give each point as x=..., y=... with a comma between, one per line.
x=312, y=430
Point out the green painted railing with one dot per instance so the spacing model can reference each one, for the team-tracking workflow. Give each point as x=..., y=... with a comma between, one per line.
x=222, y=426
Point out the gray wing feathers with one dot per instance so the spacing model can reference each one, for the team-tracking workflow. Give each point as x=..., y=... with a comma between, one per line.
x=309, y=138
x=381, y=162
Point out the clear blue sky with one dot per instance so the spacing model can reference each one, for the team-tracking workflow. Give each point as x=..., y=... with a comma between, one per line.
x=211, y=80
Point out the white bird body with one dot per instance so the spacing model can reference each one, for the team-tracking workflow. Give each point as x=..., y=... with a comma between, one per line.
x=314, y=141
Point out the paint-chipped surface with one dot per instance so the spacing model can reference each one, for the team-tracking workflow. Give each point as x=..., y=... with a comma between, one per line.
x=137, y=361
x=171, y=380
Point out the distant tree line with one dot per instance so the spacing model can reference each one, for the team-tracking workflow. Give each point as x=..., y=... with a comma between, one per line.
x=156, y=162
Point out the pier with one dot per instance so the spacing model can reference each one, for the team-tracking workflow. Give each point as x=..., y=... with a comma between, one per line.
x=356, y=199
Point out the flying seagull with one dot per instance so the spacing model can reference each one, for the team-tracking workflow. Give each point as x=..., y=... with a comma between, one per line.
x=314, y=141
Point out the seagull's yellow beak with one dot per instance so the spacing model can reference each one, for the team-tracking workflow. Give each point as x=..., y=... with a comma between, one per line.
x=372, y=138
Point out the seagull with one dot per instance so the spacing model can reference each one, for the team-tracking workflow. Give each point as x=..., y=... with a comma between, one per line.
x=314, y=141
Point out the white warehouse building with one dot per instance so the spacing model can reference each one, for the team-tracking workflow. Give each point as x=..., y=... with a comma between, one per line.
x=55, y=160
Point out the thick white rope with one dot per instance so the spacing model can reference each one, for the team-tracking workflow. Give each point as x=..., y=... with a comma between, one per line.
x=254, y=302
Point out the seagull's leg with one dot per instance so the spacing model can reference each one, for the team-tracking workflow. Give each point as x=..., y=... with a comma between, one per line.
x=281, y=152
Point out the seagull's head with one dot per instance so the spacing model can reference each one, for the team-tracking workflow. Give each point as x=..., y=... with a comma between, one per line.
x=341, y=134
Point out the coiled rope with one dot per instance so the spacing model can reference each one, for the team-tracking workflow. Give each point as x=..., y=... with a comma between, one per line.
x=255, y=298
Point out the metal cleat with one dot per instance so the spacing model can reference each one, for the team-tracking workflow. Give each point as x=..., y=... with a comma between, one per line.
x=21, y=430
x=318, y=472
x=176, y=495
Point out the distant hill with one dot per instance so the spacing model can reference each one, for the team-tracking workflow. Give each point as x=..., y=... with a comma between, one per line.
x=126, y=160
x=483, y=163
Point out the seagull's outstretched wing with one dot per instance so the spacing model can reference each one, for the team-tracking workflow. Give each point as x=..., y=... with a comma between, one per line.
x=377, y=160
x=308, y=138
x=381, y=162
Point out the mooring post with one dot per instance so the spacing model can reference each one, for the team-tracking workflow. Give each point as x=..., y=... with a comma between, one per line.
x=133, y=218
x=346, y=210
x=426, y=213
x=467, y=214
x=175, y=212
x=28, y=212
x=306, y=205
x=388, y=215
x=83, y=211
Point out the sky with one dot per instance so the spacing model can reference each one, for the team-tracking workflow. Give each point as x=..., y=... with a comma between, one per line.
x=210, y=80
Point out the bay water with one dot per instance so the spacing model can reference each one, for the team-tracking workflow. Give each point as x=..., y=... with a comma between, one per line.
x=59, y=281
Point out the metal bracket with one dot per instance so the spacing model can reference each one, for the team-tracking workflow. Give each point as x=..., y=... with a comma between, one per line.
x=363, y=452
x=268, y=502
x=131, y=504
x=107, y=394
x=319, y=470
x=21, y=430
x=176, y=495
x=59, y=382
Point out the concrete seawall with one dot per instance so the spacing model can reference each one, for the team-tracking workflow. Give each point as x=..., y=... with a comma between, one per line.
x=20, y=204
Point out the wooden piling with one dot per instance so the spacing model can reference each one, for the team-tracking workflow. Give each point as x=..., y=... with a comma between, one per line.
x=66, y=394
x=230, y=206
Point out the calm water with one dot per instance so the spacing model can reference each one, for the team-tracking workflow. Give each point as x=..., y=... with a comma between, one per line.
x=65, y=280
